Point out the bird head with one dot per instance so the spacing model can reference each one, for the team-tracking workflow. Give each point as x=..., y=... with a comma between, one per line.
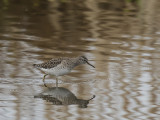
x=84, y=60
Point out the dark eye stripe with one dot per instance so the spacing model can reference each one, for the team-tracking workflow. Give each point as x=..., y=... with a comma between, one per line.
x=84, y=57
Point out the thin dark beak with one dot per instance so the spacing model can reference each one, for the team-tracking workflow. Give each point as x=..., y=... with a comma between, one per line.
x=92, y=98
x=89, y=64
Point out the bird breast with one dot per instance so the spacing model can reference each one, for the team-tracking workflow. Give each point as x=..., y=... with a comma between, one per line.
x=56, y=71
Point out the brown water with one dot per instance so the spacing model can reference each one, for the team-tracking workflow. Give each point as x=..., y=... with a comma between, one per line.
x=121, y=38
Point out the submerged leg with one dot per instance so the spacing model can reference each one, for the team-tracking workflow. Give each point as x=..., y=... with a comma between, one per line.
x=56, y=82
x=44, y=80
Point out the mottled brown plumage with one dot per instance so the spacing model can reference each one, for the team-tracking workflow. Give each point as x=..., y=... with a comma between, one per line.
x=61, y=66
x=50, y=64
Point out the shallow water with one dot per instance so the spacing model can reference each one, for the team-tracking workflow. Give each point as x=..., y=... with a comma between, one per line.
x=121, y=38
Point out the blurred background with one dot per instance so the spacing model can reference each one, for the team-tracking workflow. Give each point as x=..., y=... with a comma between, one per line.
x=120, y=37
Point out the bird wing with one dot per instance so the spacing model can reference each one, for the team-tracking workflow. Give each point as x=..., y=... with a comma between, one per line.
x=49, y=64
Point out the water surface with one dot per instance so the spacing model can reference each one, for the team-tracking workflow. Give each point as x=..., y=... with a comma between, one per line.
x=121, y=38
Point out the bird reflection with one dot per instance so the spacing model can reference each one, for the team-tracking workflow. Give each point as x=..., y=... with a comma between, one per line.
x=62, y=96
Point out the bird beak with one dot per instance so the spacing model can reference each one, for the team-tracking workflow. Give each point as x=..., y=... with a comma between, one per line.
x=89, y=64
x=92, y=98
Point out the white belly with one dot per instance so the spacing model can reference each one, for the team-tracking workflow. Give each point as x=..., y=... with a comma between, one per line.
x=56, y=72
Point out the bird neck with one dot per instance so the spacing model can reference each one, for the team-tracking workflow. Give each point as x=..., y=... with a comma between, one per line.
x=77, y=62
x=74, y=62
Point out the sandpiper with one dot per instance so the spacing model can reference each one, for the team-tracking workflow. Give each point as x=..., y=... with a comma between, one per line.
x=60, y=66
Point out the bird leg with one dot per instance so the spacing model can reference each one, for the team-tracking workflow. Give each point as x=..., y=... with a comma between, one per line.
x=44, y=80
x=56, y=82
